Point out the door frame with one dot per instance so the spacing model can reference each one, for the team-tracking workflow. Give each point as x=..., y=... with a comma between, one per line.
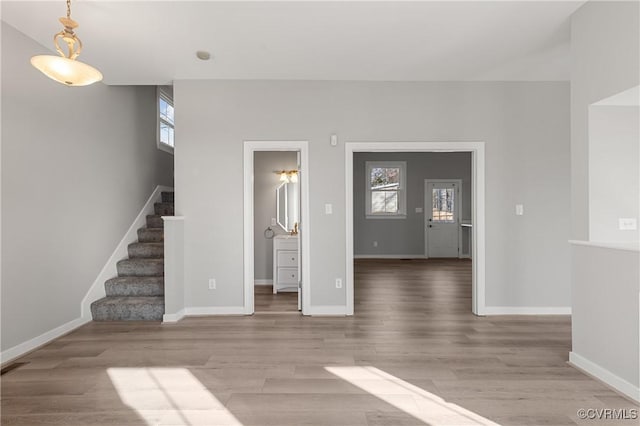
x=303, y=178
x=477, y=150
x=458, y=207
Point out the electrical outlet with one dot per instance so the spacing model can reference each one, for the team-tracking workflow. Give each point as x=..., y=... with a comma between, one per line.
x=375, y=244
x=273, y=221
x=627, y=224
x=212, y=283
x=338, y=282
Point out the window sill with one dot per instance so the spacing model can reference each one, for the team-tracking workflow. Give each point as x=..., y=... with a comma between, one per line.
x=395, y=216
x=165, y=148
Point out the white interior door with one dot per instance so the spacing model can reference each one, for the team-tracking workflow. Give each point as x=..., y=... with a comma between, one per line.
x=442, y=217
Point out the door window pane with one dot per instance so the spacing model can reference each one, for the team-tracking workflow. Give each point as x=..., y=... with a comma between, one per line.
x=443, y=204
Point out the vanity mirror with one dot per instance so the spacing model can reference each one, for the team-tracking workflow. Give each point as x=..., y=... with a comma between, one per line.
x=287, y=205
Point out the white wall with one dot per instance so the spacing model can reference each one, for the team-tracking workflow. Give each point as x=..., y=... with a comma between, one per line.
x=525, y=127
x=605, y=46
x=614, y=171
x=265, y=184
x=77, y=166
x=406, y=236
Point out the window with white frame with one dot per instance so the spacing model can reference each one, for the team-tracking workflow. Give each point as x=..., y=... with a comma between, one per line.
x=386, y=189
x=166, y=125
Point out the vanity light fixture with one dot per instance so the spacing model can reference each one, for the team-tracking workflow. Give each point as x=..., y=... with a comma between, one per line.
x=287, y=176
x=65, y=68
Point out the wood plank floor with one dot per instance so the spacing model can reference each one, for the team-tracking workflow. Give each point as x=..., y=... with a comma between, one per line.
x=412, y=355
x=266, y=301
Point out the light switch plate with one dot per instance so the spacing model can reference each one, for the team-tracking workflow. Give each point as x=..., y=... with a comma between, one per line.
x=418, y=209
x=273, y=221
x=519, y=209
x=328, y=209
x=627, y=223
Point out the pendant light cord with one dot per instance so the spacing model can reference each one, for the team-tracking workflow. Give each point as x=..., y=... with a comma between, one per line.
x=69, y=9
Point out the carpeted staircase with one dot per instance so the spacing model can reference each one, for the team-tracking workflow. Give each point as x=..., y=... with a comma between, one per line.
x=137, y=293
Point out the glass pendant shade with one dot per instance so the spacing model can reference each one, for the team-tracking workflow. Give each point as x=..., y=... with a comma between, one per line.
x=66, y=71
x=65, y=68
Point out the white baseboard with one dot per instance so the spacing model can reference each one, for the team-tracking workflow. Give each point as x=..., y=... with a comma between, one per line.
x=214, y=310
x=329, y=310
x=526, y=310
x=389, y=256
x=263, y=282
x=605, y=376
x=32, y=344
x=169, y=318
x=96, y=291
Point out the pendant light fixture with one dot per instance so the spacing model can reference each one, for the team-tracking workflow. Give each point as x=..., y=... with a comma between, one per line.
x=65, y=68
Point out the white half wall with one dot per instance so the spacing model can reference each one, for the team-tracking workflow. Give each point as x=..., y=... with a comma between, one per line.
x=78, y=164
x=605, y=323
x=525, y=127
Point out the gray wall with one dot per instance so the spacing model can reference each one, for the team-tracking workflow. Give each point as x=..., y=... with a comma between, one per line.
x=78, y=164
x=525, y=127
x=604, y=321
x=605, y=39
x=605, y=46
x=265, y=183
x=614, y=172
x=405, y=236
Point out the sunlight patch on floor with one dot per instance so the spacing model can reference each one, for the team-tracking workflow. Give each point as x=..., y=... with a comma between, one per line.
x=169, y=396
x=428, y=408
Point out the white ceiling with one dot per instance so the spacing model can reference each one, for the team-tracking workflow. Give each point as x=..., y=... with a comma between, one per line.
x=155, y=42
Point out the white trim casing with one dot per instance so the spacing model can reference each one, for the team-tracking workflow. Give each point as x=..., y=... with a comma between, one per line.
x=203, y=311
x=163, y=92
x=477, y=207
x=605, y=376
x=41, y=340
x=110, y=270
x=401, y=192
x=249, y=148
x=169, y=318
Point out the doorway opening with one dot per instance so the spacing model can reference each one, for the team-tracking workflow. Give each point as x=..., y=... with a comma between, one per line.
x=276, y=233
x=415, y=212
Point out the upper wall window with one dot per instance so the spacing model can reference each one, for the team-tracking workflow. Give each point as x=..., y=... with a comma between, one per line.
x=386, y=189
x=166, y=125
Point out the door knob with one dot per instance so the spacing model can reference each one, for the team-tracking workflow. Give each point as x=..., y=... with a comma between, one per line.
x=430, y=226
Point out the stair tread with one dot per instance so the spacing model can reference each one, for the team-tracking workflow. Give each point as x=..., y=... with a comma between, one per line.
x=142, y=260
x=134, y=280
x=131, y=300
